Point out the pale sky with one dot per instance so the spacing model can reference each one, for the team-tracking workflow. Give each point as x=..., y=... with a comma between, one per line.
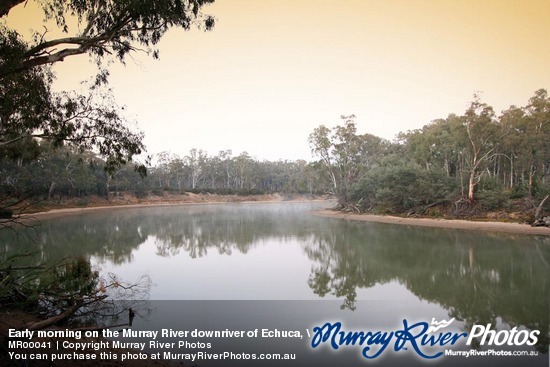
x=273, y=70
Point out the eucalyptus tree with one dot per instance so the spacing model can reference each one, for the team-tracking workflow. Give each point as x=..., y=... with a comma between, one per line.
x=107, y=31
x=513, y=158
x=436, y=145
x=244, y=165
x=213, y=173
x=164, y=169
x=483, y=136
x=30, y=110
x=227, y=166
x=538, y=130
x=196, y=161
x=344, y=155
x=321, y=147
x=178, y=170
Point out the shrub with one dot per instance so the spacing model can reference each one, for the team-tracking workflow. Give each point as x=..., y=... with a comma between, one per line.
x=519, y=191
x=399, y=187
x=493, y=199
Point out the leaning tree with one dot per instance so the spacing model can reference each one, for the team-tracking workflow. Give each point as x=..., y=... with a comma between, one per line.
x=30, y=111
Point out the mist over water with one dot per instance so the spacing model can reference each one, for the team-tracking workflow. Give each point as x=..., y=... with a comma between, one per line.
x=279, y=251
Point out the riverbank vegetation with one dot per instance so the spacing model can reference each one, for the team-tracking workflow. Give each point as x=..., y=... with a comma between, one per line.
x=475, y=165
x=58, y=142
x=65, y=173
x=58, y=147
x=64, y=146
x=465, y=165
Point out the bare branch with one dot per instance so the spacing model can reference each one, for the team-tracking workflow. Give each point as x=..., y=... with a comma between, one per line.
x=53, y=320
x=538, y=210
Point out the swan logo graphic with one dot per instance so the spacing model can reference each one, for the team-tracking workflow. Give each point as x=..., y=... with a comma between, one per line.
x=435, y=326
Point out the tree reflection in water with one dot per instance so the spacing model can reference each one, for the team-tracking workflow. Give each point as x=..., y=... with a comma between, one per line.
x=478, y=278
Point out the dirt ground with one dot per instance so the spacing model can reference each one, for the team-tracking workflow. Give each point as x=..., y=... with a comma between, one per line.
x=124, y=200
x=74, y=206
x=486, y=226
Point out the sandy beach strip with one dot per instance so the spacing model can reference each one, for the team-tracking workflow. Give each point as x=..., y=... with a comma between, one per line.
x=502, y=227
x=62, y=212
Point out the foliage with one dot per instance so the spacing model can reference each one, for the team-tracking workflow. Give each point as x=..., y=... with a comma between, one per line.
x=66, y=172
x=47, y=289
x=344, y=156
x=88, y=130
x=68, y=290
x=478, y=147
x=484, y=134
x=398, y=187
x=32, y=114
x=519, y=191
x=423, y=167
x=30, y=110
x=493, y=199
x=62, y=170
x=105, y=28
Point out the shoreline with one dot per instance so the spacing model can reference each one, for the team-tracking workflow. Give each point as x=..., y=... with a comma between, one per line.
x=489, y=226
x=60, y=212
x=500, y=227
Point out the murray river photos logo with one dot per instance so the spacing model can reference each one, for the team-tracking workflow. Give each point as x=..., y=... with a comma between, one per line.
x=427, y=340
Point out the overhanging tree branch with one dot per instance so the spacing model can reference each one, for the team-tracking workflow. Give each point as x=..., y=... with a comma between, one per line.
x=7, y=5
x=114, y=25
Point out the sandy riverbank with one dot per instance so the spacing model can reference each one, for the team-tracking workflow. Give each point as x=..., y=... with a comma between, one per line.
x=192, y=199
x=501, y=227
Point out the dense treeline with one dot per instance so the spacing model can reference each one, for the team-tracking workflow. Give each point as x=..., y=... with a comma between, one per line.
x=225, y=173
x=41, y=172
x=513, y=149
x=466, y=164
x=472, y=163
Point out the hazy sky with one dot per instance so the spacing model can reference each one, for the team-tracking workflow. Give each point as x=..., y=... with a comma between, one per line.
x=273, y=70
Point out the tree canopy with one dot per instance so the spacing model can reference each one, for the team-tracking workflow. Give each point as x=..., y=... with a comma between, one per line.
x=107, y=31
x=34, y=119
x=473, y=163
x=344, y=155
x=107, y=28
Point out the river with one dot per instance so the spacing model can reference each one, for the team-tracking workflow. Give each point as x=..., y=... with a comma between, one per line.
x=281, y=252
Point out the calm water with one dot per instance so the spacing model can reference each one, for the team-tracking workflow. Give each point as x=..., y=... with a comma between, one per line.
x=279, y=251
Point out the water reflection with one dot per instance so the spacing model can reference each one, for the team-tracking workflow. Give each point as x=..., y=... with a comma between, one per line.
x=476, y=277
x=195, y=230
